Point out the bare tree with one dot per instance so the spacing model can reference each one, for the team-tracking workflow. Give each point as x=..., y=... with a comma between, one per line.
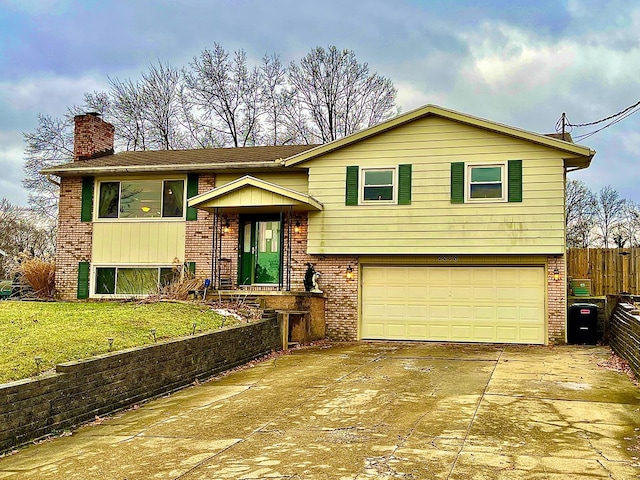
x=22, y=232
x=579, y=214
x=160, y=89
x=339, y=94
x=50, y=144
x=274, y=98
x=608, y=212
x=219, y=100
x=627, y=231
x=225, y=92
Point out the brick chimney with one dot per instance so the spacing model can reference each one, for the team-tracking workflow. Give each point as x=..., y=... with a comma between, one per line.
x=93, y=137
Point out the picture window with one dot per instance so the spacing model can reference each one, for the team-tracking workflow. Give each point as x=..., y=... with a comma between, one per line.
x=141, y=199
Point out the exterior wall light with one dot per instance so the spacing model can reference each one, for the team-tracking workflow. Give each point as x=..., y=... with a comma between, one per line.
x=226, y=227
x=296, y=228
x=556, y=274
x=349, y=273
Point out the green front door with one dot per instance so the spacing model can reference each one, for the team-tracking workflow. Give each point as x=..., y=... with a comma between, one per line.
x=259, y=251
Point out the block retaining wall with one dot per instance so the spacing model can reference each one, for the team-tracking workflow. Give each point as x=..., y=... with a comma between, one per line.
x=623, y=333
x=80, y=390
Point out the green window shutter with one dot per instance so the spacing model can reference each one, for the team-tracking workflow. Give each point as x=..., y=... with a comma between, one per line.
x=191, y=268
x=404, y=184
x=192, y=191
x=83, y=280
x=86, y=209
x=514, y=177
x=457, y=182
x=351, y=195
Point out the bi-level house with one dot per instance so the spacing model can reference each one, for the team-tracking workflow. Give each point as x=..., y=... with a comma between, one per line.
x=434, y=225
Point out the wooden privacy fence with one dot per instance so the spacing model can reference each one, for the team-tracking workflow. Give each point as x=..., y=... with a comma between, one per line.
x=611, y=270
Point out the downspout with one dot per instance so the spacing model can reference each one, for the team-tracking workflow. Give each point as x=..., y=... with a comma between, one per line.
x=51, y=180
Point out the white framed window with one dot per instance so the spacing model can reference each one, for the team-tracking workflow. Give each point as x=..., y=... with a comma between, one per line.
x=127, y=281
x=141, y=199
x=486, y=183
x=378, y=185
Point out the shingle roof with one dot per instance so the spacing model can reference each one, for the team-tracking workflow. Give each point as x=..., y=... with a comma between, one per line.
x=199, y=159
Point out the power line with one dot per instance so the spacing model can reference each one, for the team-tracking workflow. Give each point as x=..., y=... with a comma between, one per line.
x=563, y=125
x=605, y=119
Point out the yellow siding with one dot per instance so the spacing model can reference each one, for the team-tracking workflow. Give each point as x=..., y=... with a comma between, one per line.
x=138, y=243
x=431, y=224
x=295, y=180
x=254, y=197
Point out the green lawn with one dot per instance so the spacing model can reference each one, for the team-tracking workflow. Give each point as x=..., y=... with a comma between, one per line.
x=58, y=332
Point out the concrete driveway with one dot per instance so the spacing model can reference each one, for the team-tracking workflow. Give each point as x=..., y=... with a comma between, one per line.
x=371, y=410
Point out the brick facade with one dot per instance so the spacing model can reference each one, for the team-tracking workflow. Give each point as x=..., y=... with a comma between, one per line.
x=74, y=236
x=556, y=300
x=199, y=234
x=342, y=294
x=92, y=137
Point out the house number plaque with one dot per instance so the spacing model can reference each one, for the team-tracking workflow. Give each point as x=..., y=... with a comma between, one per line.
x=448, y=258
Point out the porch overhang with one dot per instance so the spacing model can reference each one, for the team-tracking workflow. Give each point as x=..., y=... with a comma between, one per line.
x=250, y=193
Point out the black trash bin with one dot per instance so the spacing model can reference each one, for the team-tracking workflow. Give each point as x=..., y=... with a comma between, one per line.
x=582, y=327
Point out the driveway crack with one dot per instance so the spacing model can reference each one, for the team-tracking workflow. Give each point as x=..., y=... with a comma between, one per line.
x=475, y=414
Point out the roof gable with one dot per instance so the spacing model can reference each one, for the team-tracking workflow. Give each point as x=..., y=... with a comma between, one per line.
x=254, y=193
x=575, y=155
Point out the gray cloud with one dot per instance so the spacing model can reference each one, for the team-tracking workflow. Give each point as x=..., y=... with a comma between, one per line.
x=520, y=64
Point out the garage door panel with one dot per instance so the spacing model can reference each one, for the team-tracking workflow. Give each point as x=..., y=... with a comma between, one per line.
x=484, y=333
x=529, y=314
x=507, y=294
x=481, y=304
x=437, y=292
x=529, y=335
x=461, y=333
x=417, y=331
x=396, y=331
x=439, y=332
x=461, y=313
x=484, y=314
x=417, y=291
x=483, y=294
x=417, y=311
x=507, y=333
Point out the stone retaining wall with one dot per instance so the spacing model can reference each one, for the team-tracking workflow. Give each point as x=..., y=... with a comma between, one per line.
x=624, y=334
x=79, y=391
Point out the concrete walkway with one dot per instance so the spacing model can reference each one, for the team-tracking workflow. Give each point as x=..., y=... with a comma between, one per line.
x=371, y=410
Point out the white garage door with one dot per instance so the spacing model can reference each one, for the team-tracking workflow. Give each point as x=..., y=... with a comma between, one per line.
x=456, y=304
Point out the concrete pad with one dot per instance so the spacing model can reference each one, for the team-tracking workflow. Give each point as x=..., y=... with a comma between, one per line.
x=371, y=411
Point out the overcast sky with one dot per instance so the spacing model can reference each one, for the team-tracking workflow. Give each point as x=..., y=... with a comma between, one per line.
x=522, y=63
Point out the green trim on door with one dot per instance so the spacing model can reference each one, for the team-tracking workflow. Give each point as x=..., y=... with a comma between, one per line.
x=260, y=256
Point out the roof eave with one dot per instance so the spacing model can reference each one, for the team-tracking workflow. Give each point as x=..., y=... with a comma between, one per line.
x=208, y=167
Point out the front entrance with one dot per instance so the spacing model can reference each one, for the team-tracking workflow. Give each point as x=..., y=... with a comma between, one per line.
x=260, y=251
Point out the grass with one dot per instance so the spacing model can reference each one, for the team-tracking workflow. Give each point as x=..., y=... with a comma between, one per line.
x=59, y=332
